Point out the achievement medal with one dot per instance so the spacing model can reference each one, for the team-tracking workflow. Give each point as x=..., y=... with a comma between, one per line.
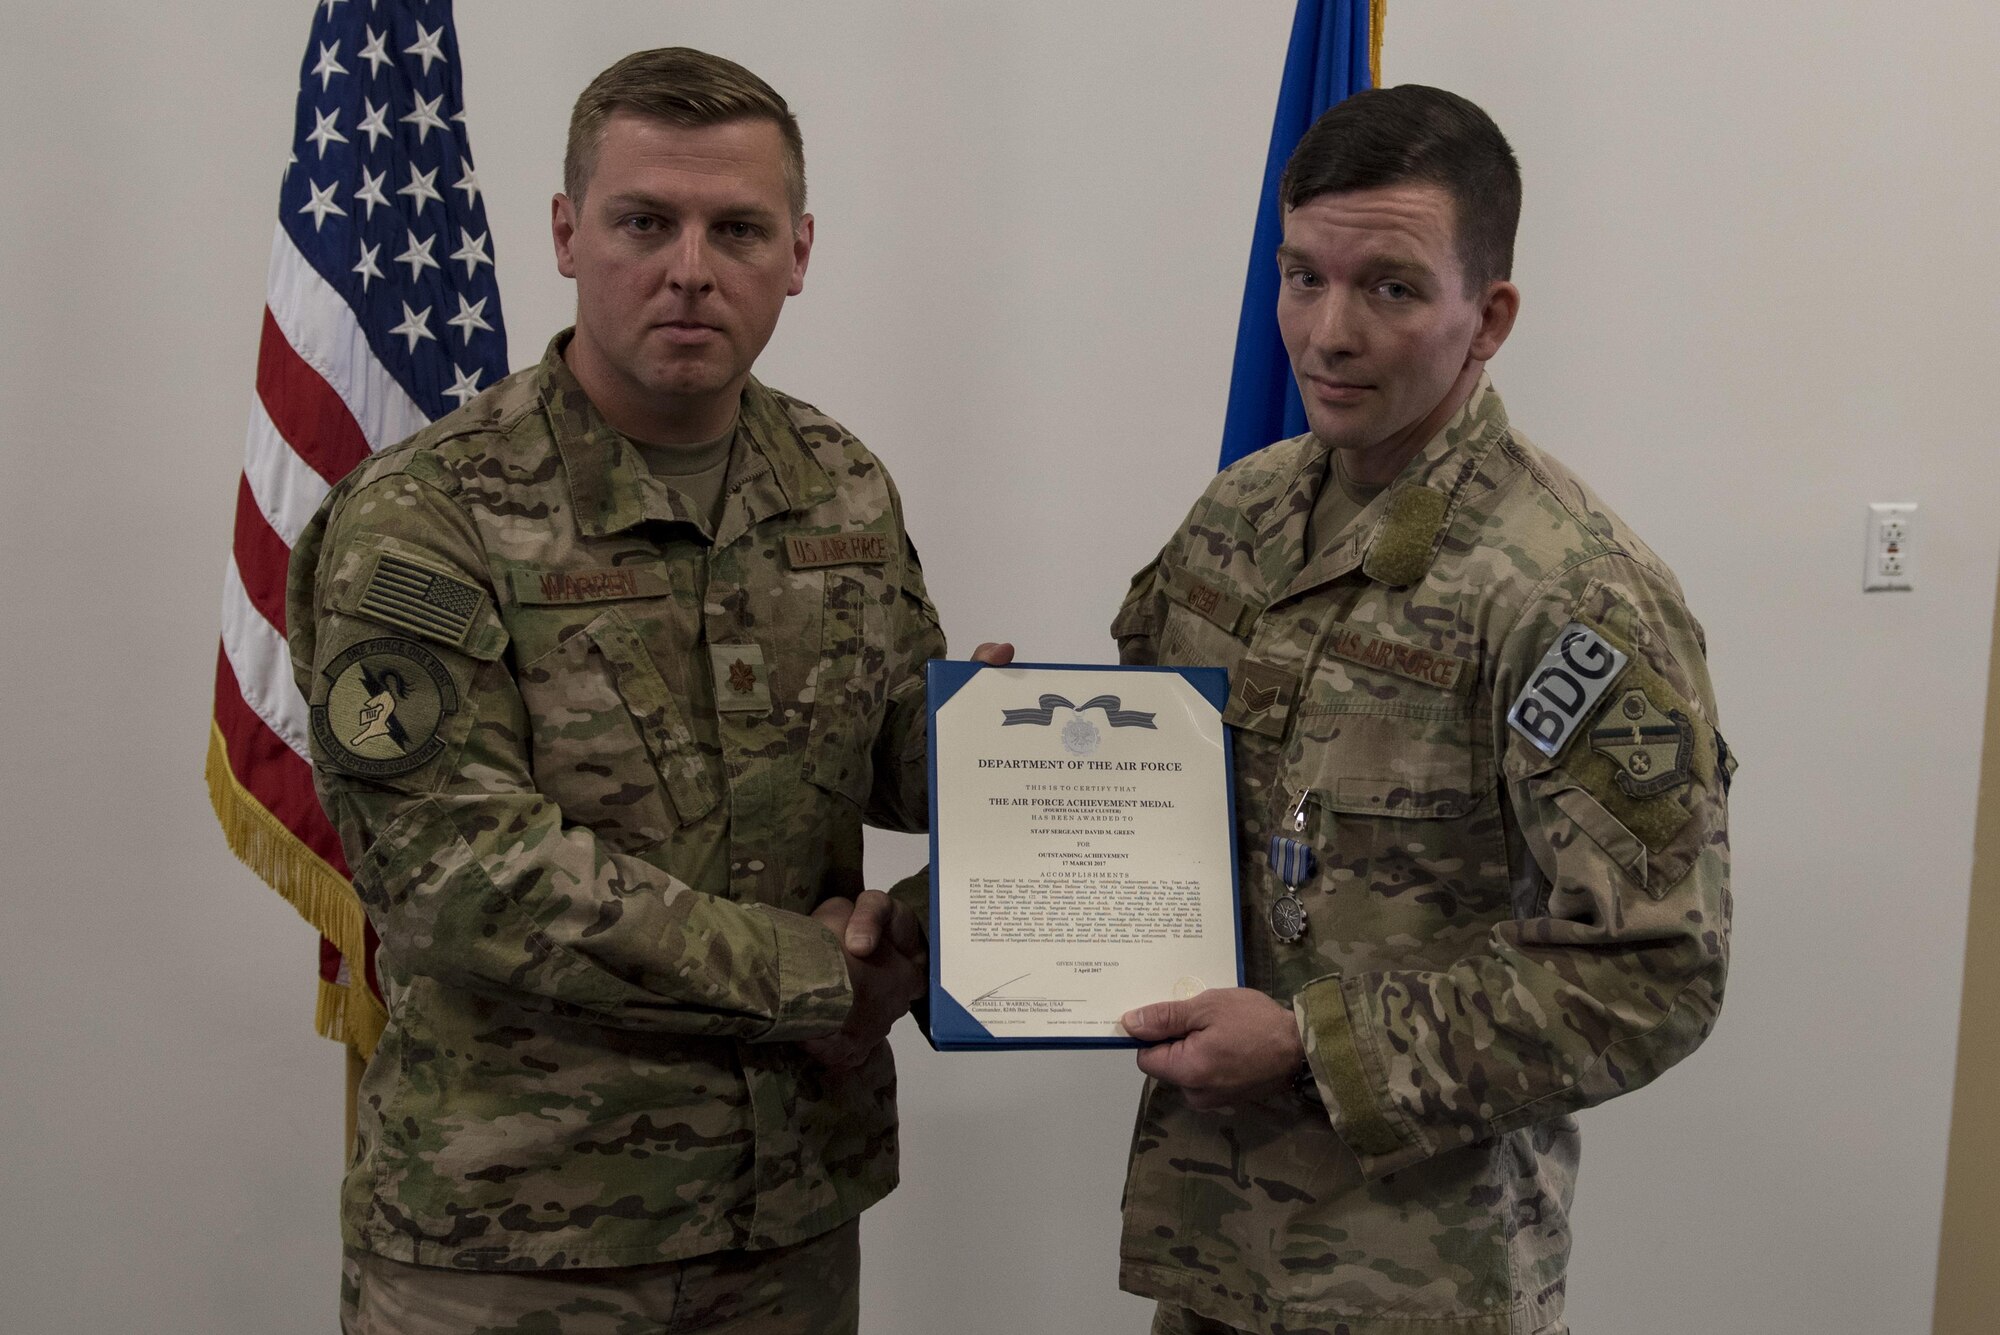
x=1293, y=862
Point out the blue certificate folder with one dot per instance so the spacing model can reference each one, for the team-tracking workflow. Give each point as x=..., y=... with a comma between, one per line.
x=952, y=1027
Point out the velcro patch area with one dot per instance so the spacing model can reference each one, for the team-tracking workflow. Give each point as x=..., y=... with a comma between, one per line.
x=1406, y=542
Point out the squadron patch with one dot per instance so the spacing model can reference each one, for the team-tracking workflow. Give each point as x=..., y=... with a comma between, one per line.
x=1652, y=748
x=384, y=710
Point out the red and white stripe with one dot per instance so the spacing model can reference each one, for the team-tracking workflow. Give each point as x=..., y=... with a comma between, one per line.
x=323, y=403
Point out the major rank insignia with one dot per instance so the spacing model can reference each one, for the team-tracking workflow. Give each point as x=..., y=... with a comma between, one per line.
x=1651, y=747
x=742, y=685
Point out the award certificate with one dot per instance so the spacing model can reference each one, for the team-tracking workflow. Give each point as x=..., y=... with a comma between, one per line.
x=1082, y=850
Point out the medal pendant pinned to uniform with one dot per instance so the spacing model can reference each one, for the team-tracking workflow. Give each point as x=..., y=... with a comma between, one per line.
x=1294, y=863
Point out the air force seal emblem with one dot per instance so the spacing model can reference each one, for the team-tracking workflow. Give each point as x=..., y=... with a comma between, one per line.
x=384, y=708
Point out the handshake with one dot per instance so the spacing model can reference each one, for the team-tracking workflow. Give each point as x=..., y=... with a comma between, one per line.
x=888, y=955
x=888, y=964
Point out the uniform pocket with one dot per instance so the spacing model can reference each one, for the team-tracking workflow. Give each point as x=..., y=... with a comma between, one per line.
x=1203, y=625
x=849, y=682
x=611, y=741
x=1413, y=766
x=1404, y=808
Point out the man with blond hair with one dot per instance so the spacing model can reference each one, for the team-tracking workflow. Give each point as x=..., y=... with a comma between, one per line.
x=607, y=669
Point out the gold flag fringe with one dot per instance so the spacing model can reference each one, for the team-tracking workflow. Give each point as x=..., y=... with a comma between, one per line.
x=1378, y=14
x=322, y=896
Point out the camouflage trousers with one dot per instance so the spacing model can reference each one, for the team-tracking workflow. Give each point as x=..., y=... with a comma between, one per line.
x=809, y=1289
x=1171, y=1320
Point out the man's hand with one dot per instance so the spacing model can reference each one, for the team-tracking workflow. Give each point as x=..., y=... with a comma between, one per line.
x=994, y=653
x=1227, y=1045
x=871, y=920
x=885, y=981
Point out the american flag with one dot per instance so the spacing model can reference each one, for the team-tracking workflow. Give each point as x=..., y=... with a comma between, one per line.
x=381, y=313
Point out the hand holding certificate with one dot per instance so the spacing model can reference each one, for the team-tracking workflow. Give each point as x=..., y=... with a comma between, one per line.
x=1082, y=850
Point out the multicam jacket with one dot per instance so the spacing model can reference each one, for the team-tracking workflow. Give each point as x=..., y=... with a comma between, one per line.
x=1508, y=922
x=592, y=764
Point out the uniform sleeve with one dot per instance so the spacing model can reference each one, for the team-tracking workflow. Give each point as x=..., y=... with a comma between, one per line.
x=1612, y=968
x=1136, y=628
x=899, y=797
x=468, y=873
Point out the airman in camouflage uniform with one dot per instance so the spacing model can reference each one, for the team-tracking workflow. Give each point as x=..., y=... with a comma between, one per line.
x=600, y=756
x=1480, y=702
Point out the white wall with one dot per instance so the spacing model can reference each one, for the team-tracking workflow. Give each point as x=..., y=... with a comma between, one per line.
x=1761, y=287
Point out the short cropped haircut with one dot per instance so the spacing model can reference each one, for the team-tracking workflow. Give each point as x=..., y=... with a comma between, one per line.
x=1409, y=135
x=684, y=87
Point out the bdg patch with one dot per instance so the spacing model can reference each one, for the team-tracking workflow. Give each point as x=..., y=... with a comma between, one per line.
x=1402, y=660
x=1652, y=748
x=741, y=683
x=836, y=549
x=385, y=706
x=1571, y=678
x=422, y=601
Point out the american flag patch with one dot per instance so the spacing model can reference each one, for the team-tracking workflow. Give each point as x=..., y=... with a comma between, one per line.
x=406, y=595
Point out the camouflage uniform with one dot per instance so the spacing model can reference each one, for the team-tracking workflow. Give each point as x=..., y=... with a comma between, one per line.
x=592, y=768
x=811, y=1288
x=1496, y=937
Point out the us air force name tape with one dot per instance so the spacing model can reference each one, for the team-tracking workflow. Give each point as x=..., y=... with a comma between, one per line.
x=1566, y=686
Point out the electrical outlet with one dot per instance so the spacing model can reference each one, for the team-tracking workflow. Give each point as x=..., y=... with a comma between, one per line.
x=1887, y=560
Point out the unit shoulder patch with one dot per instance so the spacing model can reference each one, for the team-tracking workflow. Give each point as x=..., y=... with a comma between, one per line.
x=1653, y=749
x=383, y=709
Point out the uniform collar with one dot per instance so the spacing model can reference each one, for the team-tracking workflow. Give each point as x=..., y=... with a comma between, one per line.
x=613, y=490
x=1396, y=538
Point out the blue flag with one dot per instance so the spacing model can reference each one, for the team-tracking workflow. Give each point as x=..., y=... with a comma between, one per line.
x=1325, y=63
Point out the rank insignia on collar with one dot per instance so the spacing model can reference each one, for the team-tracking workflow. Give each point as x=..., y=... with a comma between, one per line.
x=1651, y=747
